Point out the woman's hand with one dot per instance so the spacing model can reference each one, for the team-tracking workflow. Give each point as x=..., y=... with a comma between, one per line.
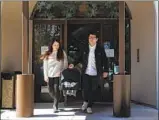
x=46, y=80
x=105, y=74
x=71, y=66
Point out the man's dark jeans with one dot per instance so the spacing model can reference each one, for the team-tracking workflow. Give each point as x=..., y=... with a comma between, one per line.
x=90, y=84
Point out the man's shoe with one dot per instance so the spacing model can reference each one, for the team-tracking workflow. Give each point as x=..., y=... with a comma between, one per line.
x=84, y=106
x=89, y=110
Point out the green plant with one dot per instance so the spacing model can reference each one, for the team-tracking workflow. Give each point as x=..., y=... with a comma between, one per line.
x=91, y=9
x=70, y=9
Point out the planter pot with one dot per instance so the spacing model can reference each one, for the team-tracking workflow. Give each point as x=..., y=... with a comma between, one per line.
x=25, y=95
x=121, y=96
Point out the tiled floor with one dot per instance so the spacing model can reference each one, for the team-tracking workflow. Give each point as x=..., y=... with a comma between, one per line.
x=43, y=111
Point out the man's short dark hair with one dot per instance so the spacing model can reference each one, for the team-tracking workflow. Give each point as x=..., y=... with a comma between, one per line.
x=94, y=33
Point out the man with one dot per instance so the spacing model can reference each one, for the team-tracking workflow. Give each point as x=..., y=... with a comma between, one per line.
x=94, y=64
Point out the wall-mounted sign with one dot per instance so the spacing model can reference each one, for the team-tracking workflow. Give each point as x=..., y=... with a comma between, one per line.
x=107, y=45
x=44, y=89
x=44, y=49
x=109, y=52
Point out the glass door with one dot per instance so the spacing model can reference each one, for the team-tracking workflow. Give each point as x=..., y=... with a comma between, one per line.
x=43, y=35
x=77, y=38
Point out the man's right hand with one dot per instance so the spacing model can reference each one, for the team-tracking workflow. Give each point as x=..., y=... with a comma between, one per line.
x=71, y=66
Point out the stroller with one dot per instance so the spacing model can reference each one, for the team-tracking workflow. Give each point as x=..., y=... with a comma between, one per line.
x=70, y=83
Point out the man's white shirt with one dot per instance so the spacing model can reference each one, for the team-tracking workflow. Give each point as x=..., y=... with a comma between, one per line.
x=91, y=67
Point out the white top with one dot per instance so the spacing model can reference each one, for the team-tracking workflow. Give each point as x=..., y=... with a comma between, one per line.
x=52, y=67
x=91, y=67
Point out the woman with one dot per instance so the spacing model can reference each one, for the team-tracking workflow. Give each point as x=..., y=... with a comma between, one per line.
x=54, y=62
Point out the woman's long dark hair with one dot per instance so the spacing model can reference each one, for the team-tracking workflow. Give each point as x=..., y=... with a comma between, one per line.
x=60, y=54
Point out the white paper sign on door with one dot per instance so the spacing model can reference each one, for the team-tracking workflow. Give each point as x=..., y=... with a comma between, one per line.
x=44, y=49
x=109, y=52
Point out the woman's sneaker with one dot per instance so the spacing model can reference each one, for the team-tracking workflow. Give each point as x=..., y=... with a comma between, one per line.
x=55, y=109
x=84, y=106
x=89, y=110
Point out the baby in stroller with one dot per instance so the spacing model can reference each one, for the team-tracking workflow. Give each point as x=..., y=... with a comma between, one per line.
x=70, y=82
